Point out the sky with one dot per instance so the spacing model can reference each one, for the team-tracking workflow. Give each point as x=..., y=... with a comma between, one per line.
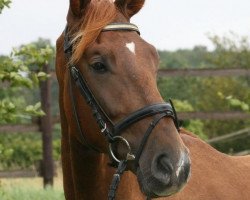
x=167, y=24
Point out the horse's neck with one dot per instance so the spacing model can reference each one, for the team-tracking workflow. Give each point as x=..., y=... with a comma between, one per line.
x=97, y=178
x=200, y=149
x=203, y=153
x=214, y=175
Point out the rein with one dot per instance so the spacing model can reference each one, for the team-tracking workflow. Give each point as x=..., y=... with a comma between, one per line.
x=111, y=131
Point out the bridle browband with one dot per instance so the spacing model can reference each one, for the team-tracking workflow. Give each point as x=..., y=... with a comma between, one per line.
x=121, y=27
x=111, y=131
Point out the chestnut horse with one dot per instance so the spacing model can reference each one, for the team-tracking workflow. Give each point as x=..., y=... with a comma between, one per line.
x=105, y=68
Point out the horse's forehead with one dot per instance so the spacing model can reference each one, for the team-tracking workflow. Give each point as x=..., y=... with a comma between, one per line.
x=131, y=47
x=127, y=42
x=128, y=49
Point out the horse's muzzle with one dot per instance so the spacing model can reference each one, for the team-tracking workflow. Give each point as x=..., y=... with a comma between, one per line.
x=164, y=179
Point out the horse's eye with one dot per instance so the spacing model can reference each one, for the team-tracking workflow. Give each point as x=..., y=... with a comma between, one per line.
x=99, y=67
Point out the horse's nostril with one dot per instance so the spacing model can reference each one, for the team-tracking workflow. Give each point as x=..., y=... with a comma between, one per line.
x=164, y=165
x=162, y=168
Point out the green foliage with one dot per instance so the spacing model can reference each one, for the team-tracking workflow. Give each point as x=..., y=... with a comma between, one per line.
x=196, y=126
x=20, y=74
x=7, y=109
x=183, y=106
x=21, y=71
x=34, y=109
x=34, y=55
x=3, y=4
x=14, y=72
x=231, y=51
x=234, y=146
x=211, y=93
x=235, y=103
x=22, y=151
x=198, y=57
x=12, y=110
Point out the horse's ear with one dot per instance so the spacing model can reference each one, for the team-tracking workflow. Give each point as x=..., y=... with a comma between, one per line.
x=129, y=7
x=77, y=7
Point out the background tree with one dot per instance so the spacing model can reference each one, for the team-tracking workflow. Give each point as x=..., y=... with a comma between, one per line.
x=19, y=72
x=3, y=4
x=16, y=75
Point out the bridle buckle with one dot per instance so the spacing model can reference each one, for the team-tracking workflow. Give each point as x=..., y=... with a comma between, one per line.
x=104, y=128
x=130, y=156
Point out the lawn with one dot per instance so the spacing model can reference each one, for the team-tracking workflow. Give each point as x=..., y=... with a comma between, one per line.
x=30, y=189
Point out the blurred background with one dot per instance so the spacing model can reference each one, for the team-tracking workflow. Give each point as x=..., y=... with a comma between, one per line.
x=204, y=49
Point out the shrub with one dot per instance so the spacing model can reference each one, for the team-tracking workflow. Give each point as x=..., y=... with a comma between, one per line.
x=23, y=150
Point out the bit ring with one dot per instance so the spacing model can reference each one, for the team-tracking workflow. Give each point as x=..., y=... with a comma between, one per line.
x=129, y=156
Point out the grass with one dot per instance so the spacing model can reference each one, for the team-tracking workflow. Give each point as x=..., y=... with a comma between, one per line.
x=29, y=193
x=30, y=189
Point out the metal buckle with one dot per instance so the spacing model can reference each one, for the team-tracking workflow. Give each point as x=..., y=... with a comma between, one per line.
x=129, y=155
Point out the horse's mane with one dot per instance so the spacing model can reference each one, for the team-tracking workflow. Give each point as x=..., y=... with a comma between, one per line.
x=96, y=16
x=185, y=132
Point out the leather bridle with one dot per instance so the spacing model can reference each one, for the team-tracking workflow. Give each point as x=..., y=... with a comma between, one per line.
x=111, y=131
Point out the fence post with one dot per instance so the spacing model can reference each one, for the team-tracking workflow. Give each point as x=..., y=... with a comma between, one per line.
x=46, y=129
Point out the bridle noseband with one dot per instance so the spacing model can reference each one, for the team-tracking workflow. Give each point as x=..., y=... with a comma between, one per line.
x=112, y=132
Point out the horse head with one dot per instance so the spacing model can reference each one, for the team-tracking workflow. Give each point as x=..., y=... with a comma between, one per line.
x=120, y=70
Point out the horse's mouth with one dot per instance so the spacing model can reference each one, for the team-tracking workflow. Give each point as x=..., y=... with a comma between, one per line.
x=153, y=188
x=144, y=186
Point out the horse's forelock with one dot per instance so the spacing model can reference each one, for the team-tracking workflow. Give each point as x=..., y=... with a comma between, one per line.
x=96, y=16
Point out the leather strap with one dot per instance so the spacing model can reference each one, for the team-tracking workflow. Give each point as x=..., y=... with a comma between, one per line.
x=143, y=113
x=146, y=135
x=116, y=179
x=89, y=98
x=81, y=135
x=121, y=27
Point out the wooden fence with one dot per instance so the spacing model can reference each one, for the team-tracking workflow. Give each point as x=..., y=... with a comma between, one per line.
x=204, y=72
x=45, y=128
x=19, y=174
x=46, y=122
x=23, y=128
x=231, y=136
